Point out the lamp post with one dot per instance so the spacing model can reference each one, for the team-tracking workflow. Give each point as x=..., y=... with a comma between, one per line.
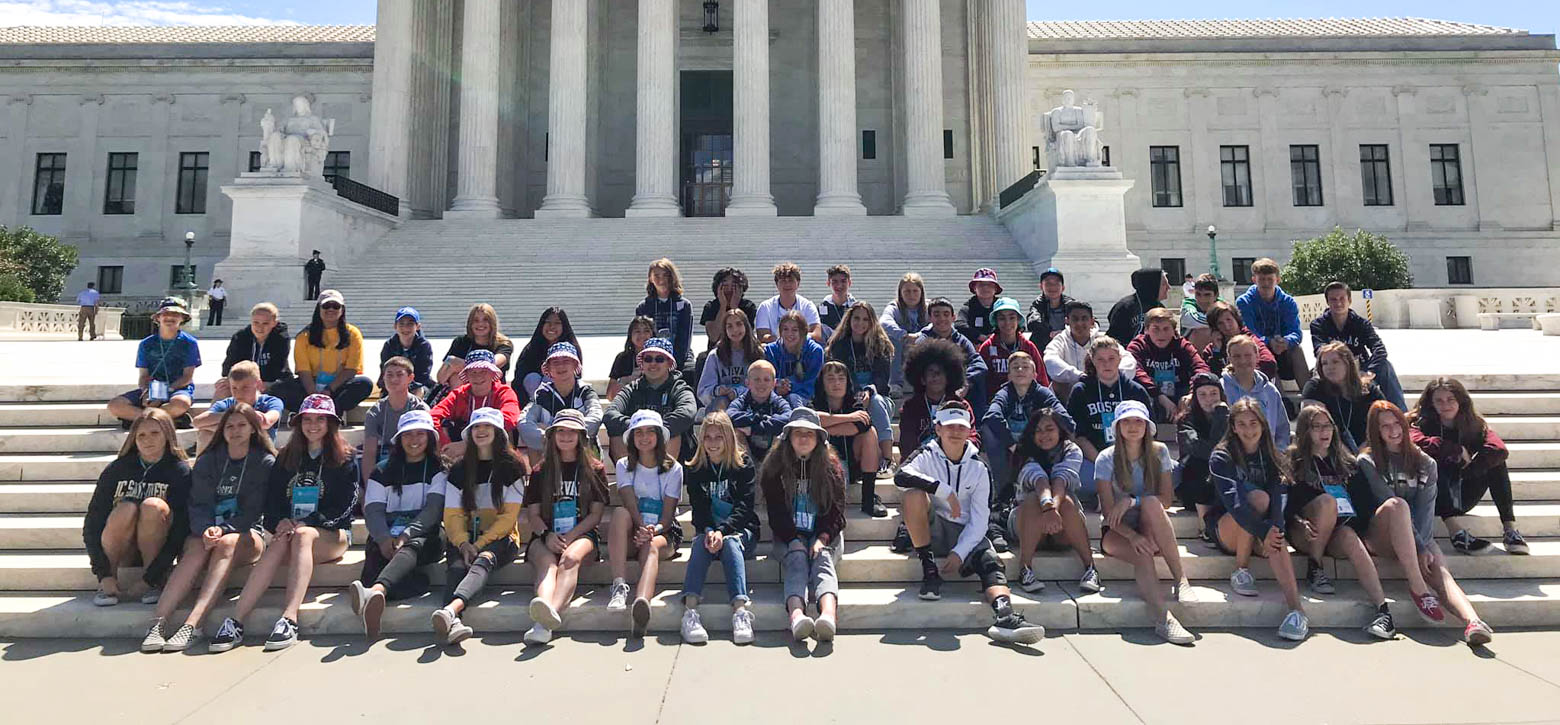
x=186, y=285
x=1213, y=252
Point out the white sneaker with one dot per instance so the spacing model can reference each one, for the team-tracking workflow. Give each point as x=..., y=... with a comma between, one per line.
x=459, y=632
x=742, y=626
x=619, y=599
x=1182, y=591
x=802, y=628
x=1243, y=582
x=357, y=594
x=823, y=628
x=543, y=613
x=692, y=629
x=1170, y=630
x=443, y=621
x=538, y=635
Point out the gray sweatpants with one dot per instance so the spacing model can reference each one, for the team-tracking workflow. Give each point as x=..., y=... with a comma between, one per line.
x=801, y=575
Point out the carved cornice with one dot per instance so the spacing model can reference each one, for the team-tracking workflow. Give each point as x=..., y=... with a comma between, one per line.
x=167, y=98
x=1404, y=90
x=1190, y=92
x=1475, y=89
x=1335, y=91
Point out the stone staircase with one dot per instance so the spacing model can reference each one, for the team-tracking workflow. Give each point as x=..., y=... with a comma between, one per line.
x=52, y=449
x=595, y=268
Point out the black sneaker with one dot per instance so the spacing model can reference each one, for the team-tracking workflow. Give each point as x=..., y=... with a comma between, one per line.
x=1000, y=543
x=931, y=587
x=1514, y=542
x=1012, y=629
x=876, y=509
x=1466, y=543
x=229, y=635
x=901, y=543
x=283, y=635
x=1381, y=627
x=184, y=422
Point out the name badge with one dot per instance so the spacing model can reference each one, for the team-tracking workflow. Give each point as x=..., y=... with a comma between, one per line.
x=1345, y=505
x=980, y=322
x=323, y=379
x=650, y=510
x=722, y=509
x=399, y=521
x=157, y=390
x=1108, y=419
x=305, y=501
x=805, y=514
x=1164, y=378
x=227, y=508
x=566, y=515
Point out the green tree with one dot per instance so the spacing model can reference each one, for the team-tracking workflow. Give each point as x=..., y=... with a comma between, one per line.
x=12, y=289
x=38, y=261
x=1361, y=259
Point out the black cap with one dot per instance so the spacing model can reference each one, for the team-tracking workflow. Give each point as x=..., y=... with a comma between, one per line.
x=1053, y=272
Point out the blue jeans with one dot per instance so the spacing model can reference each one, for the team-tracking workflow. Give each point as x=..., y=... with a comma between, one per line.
x=1386, y=377
x=1088, y=493
x=731, y=554
x=878, y=408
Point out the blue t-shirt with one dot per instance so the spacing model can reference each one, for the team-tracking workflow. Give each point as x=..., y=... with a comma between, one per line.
x=167, y=359
x=263, y=403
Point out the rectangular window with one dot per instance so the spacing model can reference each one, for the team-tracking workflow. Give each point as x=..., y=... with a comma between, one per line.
x=947, y=143
x=111, y=279
x=119, y=192
x=1446, y=174
x=338, y=163
x=254, y=161
x=176, y=274
x=1235, y=172
x=1305, y=174
x=869, y=144
x=192, y=183
x=1175, y=269
x=1242, y=269
x=1164, y=163
x=1375, y=174
x=49, y=185
x=1459, y=270
x=1035, y=152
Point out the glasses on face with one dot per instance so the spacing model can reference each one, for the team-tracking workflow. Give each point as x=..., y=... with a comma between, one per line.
x=330, y=306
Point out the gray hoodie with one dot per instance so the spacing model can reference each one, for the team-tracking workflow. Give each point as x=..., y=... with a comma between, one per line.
x=228, y=490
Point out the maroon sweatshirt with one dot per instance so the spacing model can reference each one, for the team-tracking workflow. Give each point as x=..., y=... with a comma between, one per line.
x=1166, y=370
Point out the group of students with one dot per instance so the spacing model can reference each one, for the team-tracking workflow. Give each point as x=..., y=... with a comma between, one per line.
x=1002, y=447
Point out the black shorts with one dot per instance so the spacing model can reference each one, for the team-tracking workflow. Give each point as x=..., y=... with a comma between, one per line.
x=1302, y=496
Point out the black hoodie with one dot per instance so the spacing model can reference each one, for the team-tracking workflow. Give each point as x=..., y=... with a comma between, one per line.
x=329, y=507
x=272, y=357
x=1126, y=316
x=125, y=479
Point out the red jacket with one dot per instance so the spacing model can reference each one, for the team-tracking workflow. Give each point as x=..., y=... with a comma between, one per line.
x=996, y=361
x=1175, y=363
x=455, y=409
x=1484, y=454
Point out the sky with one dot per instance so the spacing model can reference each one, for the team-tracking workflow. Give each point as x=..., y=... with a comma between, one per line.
x=1538, y=16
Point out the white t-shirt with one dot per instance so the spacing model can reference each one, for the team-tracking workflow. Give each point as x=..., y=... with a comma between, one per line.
x=651, y=486
x=217, y=293
x=1105, y=466
x=770, y=311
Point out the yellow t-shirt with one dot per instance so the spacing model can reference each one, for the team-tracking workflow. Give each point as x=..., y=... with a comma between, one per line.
x=315, y=360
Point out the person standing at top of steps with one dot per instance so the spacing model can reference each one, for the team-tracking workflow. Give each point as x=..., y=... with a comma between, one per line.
x=942, y=328
x=1133, y=480
x=1150, y=287
x=842, y=412
x=1093, y=404
x=402, y=510
x=788, y=277
x=759, y=414
x=87, y=309
x=309, y=504
x=1065, y=355
x=383, y=421
x=1166, y=363
x=673, y=314
x=408, y=342
x=1339, y=387
x=1225, y=324
x=218, y=299
x=1341, y=324
x=564, y=501
x=865, y=349
x=137, y=512
x=313, y=272
x=797, y=358
x=1048, y=515
x=165, y=364
x=832, y=310
x=564, y=390
x=1253, y=488
x=1470, y=459
x=265, y=342
x=226, y=503
x=729, y=287
x=660, y=390
x=483, y=389
x=1275, y=317
x=975, y=320
x=804, y=491
x=1048, y=313
x=551, y=328
x=902, y=320
x=328, y=356
x=649, y=487
x=947, y=489
x=482, y=333
x=245, y=386
x=725, y=525
x=1397, y=470
x=483, y=497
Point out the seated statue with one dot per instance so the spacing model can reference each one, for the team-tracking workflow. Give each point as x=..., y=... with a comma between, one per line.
x=1072, y=134
x=300, y=145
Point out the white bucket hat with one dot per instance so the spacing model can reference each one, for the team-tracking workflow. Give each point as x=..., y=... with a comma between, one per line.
x=1133, y=409
x=645, y=419
x=484, y=416
x=413, y=420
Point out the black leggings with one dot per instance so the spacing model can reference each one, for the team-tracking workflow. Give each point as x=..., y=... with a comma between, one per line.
x=402, y=574
x=463, y=583
x=1456, y=500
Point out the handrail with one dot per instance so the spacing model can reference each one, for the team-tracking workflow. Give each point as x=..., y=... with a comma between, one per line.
x=1019, y=188
x=366, y=195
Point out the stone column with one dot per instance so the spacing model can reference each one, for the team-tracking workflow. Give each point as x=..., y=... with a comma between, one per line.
x=476, y=187
x=1476, y=174
x=566, y=98
x=837, y=192
x=655, y=136
x=427, y=182
x=750, y=90
x=389, y=133
x=13, y=205
x=1008, y=47
x=927, y=193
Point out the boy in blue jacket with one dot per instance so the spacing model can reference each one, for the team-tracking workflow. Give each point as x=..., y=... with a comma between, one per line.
x=1271, y=313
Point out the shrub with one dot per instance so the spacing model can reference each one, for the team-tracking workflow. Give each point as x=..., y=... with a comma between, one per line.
x=12, y=289
x=1362, y=260
x=39, y=261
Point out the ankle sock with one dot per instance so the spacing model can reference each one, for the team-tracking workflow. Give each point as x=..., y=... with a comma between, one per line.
x=1002, y=606
x=928, y=563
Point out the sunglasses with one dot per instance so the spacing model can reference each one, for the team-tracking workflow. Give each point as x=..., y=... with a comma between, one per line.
x=330, y=306
x=661, y=359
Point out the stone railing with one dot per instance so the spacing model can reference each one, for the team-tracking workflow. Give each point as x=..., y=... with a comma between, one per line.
x=31, y=321
x=1440, y=307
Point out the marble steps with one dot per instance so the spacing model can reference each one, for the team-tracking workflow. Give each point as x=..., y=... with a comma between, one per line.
x=106, y=440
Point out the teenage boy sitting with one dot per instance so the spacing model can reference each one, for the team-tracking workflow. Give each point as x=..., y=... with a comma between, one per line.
x=758, y=414
x=1195, y=308
x=1018, y=398
x=1166, y=363
x=832, y=310
x=797, y=359
x=1275, y=318
x=1341, y=324
x=975, y=321
x=1066, y=351
x=408, y=342
x=1006, y=340
x=1048, y=313
x=1092, y=405
x=482, y=389
x=244, y=384
x=165, y=363
x=266, y=343
x=395, y=379
x=658, y=390
x=788, y=278
x=946, y=511
x=942, y=328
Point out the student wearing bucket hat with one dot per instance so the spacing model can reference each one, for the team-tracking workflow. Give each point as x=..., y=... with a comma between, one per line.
x=564, y=502
x=803, y=485
x=403, y=509
x=483, y=388
x=165, y=363
x=309, y=503
x=659, y=389
x=1132, y=477
x=563, y=390
x=1047, y=316
x=408, y=342
x=552, y=329
x=975, y=321
x=649, y=486
x=1006, y=339
x=483, y=495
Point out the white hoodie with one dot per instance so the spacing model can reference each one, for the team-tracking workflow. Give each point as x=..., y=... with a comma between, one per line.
x=970, y=480
x=1064, y=357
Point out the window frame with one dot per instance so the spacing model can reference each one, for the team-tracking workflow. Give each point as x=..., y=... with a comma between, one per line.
x=337, y=163
x=1446, y=191
x=42, y=190
x=191, y=192
x=1376, y=173
x=1459, y=270
x=1305, y=175
x=1240, y=269
x=116, y=274
x=124, y=173
x=1232, y=171
x=1157, y=163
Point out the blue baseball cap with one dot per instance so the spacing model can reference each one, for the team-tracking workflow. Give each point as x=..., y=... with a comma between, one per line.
x=408, y=311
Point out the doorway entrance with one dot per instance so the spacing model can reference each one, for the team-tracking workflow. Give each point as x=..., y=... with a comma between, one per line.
x=706, y=148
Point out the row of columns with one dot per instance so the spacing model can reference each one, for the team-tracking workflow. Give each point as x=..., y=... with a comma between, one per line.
x=655, y=186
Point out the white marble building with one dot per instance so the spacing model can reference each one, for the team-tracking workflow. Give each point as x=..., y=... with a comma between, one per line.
x=537, y=108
